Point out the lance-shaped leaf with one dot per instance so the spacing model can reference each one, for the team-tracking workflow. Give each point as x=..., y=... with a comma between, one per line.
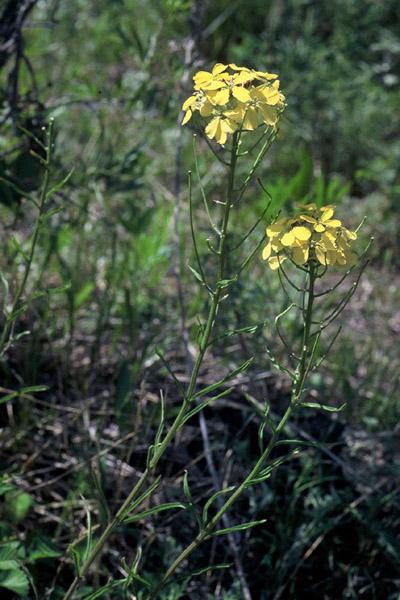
x=332, y=409
x=202, y=570
x=205, y=403
x=212, y=499
x=241, y=369
x=143, y=496
x=236, y=528
x=155, y=510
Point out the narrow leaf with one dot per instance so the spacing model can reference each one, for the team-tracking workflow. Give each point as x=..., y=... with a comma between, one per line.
x=155, y=510
x=212, y=499
x=332, y=409
x=235, y=528
x=241, y=369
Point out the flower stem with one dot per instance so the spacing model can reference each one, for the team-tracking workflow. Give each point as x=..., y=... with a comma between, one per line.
x=298, y=387
x=177, y=423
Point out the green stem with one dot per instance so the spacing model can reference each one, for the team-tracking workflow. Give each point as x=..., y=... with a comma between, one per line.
x=255, y=471
x=4, y=339
x=159, y=451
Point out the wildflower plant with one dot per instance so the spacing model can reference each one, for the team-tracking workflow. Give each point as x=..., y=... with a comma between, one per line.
x=230, y=103
x=234, y=98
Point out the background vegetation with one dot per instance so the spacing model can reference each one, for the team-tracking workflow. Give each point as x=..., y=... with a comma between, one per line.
x=102, y=299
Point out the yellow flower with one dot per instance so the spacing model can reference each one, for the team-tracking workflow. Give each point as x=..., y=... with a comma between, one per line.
x=198, y=101
x=203, y=80
x=219, y=128
x=312, y=236
x=235, y=98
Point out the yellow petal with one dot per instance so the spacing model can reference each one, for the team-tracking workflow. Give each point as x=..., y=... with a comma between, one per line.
x=206, y=109
x=240, y=93
x=212, y=85
x=212, y=127
x=329, y=240
x=322, y=255
x=319, y=227
x=351, y=235
x=218, y=68
x=333, y=223
x=228, y=126
x=267, y=251
x=189, y=102
x=274, y=230
x=187, y=117
x=250, y=121
x=243, y=77
x=201, y=77
x=270, y=115
x=327, y=214
x=276, y=261
x=308, y=219
x=300, y=254
x=221, y=97
x=288, y=238
x=301, y=233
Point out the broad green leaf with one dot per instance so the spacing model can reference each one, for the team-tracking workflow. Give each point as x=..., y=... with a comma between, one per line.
x=10, y=550
x=16, y=581
x=43, y=548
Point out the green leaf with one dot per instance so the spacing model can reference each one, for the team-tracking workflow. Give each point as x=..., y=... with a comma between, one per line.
x=205, y=403
x=5, y=286
x=10, y=551
x=155, y=510
x=332, y=409
x=16, y=581
x=19, y=247
x=83, y=294
x=197, y=274
x=52, y=212
x=186, y=488
x=43, y=548
x=203, y=570
x=18, y=506
x=241, y=369
x=33, y=389
x=235, y=528
x=104, y=589
x=212, y=499
x=59, y=185
x=8, y=397
x=145, y=494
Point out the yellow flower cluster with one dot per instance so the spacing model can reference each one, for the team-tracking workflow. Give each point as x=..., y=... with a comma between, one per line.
x=234, y=97
x=314, y=235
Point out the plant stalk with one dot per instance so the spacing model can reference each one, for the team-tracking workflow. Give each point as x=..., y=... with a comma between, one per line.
x=298, y=387
x=159, y=451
